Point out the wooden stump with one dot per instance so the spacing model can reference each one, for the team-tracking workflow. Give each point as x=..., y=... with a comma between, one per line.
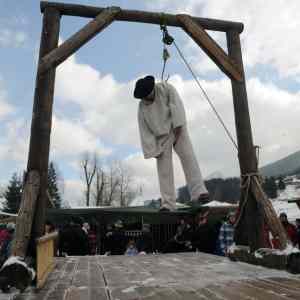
x=269, y=258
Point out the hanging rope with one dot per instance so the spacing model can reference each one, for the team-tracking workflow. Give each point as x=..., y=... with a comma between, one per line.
x=246, y=180
x=166, y=56
x=169, y=40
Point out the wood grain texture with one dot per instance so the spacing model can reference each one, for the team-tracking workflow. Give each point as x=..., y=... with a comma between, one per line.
x=141, y=16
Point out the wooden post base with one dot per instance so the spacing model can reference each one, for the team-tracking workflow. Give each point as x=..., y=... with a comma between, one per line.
x=269, y=258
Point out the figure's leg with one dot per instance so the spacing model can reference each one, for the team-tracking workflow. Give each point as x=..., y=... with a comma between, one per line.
x=184, y=149
x=166, y=178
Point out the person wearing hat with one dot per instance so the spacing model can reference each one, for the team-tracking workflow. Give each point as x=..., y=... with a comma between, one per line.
x=162, y=127
x=290, y=230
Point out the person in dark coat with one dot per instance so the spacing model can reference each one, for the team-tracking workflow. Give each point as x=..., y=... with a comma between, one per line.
x=107, y=239
x=181, y=242
x=73, y=241
x=144, y=243
x=298, y=232
x=118, y=240
x=205, y=235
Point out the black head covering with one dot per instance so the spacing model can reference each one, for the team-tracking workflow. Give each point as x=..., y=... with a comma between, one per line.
x=144, y=86
x=283, y=214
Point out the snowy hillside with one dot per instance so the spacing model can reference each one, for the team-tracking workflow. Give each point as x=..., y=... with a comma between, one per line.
x=287, y=165
x=291, y=192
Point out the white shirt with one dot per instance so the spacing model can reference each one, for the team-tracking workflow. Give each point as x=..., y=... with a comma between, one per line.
x=156, y=120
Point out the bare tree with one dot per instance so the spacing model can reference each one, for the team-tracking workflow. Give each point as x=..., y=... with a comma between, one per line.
x=112, y=184
x=100, y=185
x=89, y=167
x=126, y=192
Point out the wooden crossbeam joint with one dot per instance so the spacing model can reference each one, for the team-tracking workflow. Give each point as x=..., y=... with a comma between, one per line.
x=210, y=47
x=77, y=40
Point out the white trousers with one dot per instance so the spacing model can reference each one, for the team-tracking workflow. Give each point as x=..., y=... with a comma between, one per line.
x=193, y=177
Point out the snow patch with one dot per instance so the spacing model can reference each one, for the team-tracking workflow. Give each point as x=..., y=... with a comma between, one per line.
x=288, y=250
x=150, y=279
x=215, y=203
x=2, y=213
x=131, y=289
x=233, y=248
x=291, y=209
x=258, y=255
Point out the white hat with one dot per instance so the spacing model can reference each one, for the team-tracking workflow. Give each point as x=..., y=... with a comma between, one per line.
x=11, y=226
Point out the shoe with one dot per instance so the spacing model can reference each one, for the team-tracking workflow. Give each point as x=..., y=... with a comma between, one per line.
x=202, y=199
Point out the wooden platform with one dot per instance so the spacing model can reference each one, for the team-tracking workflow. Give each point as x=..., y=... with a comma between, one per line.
x=166, y=276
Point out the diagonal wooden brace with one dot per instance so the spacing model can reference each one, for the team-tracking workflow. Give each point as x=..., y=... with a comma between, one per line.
x=210, y=47
x=271, y=218
x=81, y=37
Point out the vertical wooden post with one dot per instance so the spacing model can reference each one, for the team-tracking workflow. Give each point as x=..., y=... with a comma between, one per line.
x=249, y=229
x=42, y=117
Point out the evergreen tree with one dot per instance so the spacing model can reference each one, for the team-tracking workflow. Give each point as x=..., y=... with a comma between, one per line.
x=13, y=195
x=270, y=187
x=52, y=186
x=223, y=190
x=281, y=184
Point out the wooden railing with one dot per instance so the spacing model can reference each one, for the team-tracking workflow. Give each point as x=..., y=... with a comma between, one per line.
x=45, y=257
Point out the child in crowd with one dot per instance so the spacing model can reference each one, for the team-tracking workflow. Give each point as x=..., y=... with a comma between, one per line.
x=131, y=249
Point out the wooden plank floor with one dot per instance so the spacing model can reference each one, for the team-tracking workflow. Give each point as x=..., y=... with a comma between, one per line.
x=169, y=276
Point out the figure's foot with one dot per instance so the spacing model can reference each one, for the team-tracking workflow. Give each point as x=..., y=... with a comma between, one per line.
x=202, y=199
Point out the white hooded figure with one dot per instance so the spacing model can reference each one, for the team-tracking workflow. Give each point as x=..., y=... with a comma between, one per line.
x=162, y=126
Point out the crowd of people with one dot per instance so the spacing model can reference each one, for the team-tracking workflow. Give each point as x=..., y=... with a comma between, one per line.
x=204, y=235
x=216, y=238
x=77, y=238
x=201, y=234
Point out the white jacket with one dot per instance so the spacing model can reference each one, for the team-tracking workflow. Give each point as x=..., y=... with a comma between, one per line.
x=157, y=120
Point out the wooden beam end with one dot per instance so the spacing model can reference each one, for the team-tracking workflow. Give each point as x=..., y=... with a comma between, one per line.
x=43, y=5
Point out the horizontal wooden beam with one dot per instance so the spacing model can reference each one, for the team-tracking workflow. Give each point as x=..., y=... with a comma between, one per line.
x=141, y=16
x=210, y=47
x=77, y=40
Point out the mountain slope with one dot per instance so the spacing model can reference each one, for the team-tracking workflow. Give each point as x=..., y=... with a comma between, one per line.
x=285, y=166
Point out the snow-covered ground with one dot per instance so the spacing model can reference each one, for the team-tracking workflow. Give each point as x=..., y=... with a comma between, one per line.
x=291, y=209
x=281, y=204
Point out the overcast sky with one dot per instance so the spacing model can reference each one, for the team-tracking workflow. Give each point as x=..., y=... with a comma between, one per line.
x=94, y=109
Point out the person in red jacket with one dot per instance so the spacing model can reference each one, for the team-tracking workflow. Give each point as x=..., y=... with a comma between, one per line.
x=290, y=230
x=3, y=234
